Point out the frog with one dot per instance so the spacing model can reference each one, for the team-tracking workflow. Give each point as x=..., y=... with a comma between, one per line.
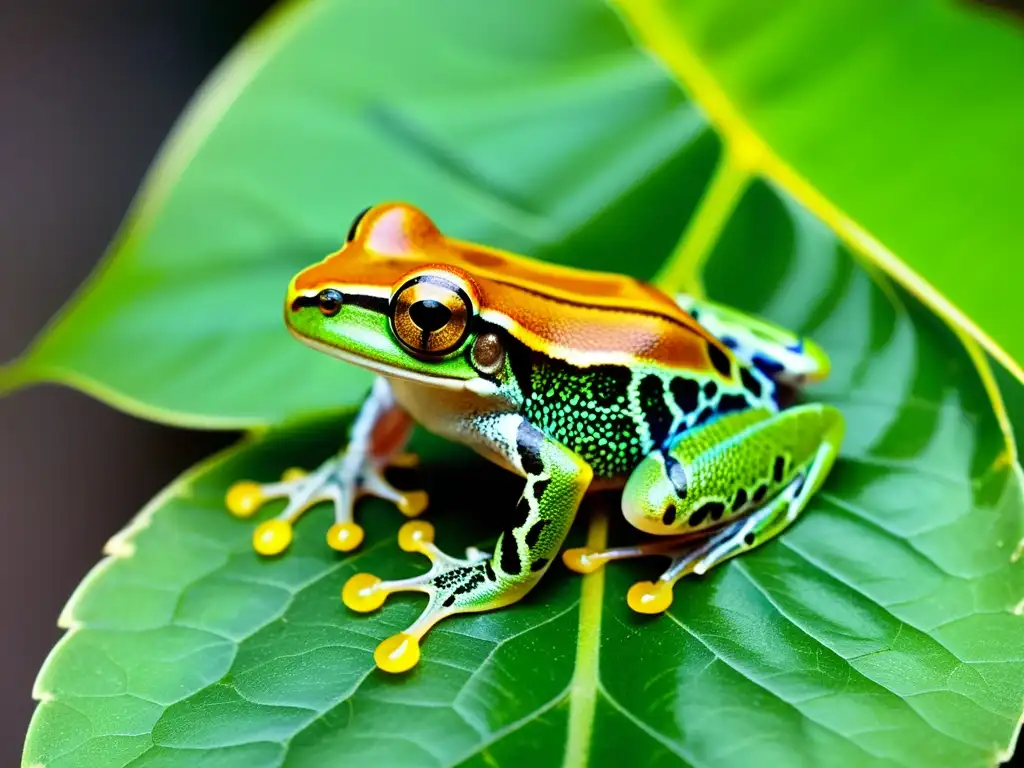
x=576, y=380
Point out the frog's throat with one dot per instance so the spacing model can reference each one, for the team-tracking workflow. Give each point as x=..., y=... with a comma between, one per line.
x=388, y=371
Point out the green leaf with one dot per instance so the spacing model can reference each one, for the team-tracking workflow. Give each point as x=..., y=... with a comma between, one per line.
x=878, y=631
x=534, y=126
x=898, y=123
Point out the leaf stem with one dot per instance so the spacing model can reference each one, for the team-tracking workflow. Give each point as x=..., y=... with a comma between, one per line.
x=583, y=692
x=682, y=270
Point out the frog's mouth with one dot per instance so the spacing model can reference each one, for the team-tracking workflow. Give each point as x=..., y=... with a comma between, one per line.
x=384, y=369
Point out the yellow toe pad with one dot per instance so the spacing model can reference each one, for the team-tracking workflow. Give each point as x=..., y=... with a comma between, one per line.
x=412, y=536
x=413, y=503
x=359, y=594
x=398, y=653
x=244, y=498
x=650, y=596
x=582, y=560
x=272, y=537
x=344, y=537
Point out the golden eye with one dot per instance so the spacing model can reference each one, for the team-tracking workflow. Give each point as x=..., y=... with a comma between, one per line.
x=430, y=315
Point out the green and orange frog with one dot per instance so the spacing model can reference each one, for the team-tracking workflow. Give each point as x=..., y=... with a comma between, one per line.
x=575, y=381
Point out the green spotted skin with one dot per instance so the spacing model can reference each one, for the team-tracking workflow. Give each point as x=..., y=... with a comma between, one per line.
x=556, y=480
x=726, y=468
x=614, y=416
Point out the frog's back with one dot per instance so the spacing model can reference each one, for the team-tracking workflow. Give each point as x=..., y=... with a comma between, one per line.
x=582, y=317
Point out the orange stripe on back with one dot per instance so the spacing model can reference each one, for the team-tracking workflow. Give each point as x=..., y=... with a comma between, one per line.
x=583, y=317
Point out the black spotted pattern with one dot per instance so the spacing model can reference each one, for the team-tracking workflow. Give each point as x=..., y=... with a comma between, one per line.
x=798, y=484
x=533, y=535
x=767, y=366
x=529, y=441
x=730, y=403
x=759, y=494
x=651, y=393
x=710, y=509
x=669, y=515
x=686, y=393
x=719, y=360
x=510, y=562
x=750, y=382
x=460, y=581
x=778, y=468
x=710, y=390
x=704, y=416
x=740, y=500
x=523, y=510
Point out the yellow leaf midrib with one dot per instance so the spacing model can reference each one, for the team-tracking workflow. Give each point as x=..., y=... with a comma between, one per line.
x=658, y=32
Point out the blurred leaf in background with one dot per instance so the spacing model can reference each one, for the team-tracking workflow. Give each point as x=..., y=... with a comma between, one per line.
x=878, y=631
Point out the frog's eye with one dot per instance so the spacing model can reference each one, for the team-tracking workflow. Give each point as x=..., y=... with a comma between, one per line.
x=430, y=315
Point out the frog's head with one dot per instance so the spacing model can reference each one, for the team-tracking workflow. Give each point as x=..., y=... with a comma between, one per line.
x=393, y=301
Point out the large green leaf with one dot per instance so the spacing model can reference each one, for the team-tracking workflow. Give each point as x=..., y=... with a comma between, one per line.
x=535, y=126
x=879, y=630
x=898, y=123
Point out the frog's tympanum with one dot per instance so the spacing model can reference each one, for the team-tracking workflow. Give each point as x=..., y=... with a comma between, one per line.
x=573, y=380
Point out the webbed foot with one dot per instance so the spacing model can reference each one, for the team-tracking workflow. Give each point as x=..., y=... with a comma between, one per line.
x=341, y=480
x=452, y=585
x=644, y=596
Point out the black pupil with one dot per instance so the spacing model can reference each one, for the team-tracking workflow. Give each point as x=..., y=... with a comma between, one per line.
x=330, y=300
x=430, y=315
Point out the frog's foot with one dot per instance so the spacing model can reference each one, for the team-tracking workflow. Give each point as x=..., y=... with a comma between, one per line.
x=644, y=596
x=341, y=481
x=697, y=557
x=452, y=585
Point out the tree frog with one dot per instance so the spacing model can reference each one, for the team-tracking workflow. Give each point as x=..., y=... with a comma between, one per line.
x=575, y=380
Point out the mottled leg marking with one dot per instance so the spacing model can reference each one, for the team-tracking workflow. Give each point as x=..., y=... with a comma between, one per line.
x=808, y=436
x=377, y=435
x=773, y=350
x=556, y=479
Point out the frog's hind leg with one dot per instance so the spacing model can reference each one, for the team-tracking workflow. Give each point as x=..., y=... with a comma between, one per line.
x=775, y=351
x=740, y=536
x=378, y=434
x=556, y=479
x=737, y=482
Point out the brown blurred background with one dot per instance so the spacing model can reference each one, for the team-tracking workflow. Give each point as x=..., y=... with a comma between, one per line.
x=88, y=91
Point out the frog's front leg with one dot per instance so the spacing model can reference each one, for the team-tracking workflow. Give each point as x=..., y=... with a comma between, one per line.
x=733, y=484
x=556, y=479
x=376, y=437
